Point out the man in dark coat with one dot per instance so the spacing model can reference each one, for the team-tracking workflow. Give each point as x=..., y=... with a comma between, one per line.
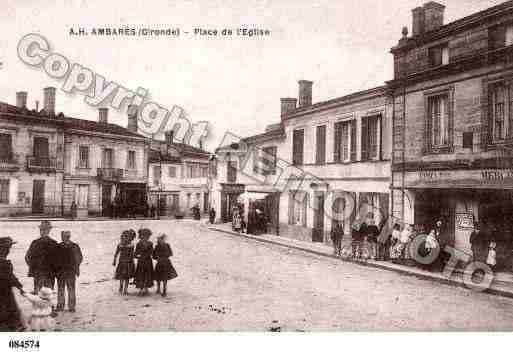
x=69, y=269
x=42, y=258
x=10, y=317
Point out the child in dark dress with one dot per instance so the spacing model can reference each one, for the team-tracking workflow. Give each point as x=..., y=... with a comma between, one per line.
x=144, y=271
x=164, y=270
x=126, y=267
x=10, y=315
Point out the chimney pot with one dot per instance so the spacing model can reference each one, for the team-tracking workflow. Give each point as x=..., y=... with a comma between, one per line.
x=132, y=118
x=21, y=99
x=433, y=16
x=49, y=100
x=287, y=104
x=305, y=93
x=103, y=114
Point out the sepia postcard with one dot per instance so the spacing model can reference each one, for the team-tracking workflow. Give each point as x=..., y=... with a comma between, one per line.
x=255, y=166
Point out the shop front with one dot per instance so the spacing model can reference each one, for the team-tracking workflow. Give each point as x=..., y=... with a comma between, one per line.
x=462, y=199
x=229, y=199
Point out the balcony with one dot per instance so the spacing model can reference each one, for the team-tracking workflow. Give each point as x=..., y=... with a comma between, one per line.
x=41, y=164
x=131, y=173
x=110, y=174
x=11, y=164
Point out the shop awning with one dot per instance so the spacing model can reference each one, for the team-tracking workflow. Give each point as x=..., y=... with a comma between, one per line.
x=461, y=184
x=252, y=196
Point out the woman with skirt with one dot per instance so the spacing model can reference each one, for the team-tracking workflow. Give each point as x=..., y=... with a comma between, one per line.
x=164, y=270
x=10, y=315
x=126, y=267
x=144, y=270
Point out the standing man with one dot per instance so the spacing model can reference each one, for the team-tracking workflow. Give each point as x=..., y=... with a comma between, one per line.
x=337, y=233
x=69, y=269
x=42, y=258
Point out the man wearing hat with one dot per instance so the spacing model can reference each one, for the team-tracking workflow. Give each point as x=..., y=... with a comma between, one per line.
x=69, y=269
x=10, y=317
x=43, y=259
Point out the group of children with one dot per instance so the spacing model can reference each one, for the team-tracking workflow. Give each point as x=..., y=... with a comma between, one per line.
x=143, y=274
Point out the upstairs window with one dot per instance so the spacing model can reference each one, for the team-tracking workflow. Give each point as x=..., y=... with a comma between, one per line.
x=172, y=171
x=269, y=159
x=204, y=171
x=83, y=157
x=5, y=147
x=156, y=175
x=298, y=140
x=4, y=191
x=320, y=150
x=438, y=55
x=500, y=36
x=501, y=111
x=438, y=117
x=232, y=172
x=342, y=141
x=131, y=160
x=370, y=138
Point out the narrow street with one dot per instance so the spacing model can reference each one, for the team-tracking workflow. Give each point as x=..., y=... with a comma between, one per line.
x=230, y=283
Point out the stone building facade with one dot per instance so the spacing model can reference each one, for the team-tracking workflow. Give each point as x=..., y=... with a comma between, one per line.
x=452, y=122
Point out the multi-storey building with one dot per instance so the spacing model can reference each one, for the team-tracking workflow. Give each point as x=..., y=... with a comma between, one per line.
x=324, y=162
x=105, y=166
x=31, y=158
x=178, y=177
x=49, y=160
x=453, y=122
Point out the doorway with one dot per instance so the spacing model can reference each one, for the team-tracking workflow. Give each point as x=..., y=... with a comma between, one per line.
x=318, y=227
x=106, y=200
x=38, y=197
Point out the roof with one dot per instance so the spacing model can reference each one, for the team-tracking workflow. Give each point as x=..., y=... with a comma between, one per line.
x=462, y=24
x=183, y=150
x=67, y=123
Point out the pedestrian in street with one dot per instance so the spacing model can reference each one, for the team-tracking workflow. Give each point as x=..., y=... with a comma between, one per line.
x=42, y=258
x=212, y=215
x=491, y=259
x=73, y=210
x=237, y=222
x=10, y=314
x=337, y=233
x=478, y=243
x=41, y=316
x=144, y=270
x=125, y=269
x=164, y=269
x=372, y=236
x=405, y=239
x=395, y=244
x=70, y=256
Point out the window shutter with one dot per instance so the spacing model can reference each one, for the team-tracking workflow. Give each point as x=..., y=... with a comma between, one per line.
x=365, y=139
x=298, y=139
x=320, y=155
x=337, y=141
x=353, y=140
x=379, y=126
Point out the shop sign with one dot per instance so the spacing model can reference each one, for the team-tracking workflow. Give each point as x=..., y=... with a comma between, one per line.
x=464, y=221
x=433, y=175
x=497, y=175
x=237, y=188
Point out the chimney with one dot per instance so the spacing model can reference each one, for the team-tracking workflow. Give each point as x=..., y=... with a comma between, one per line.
x=49, y=100
x=103, y=114
x=21, y=99
x=305, y=93
x=433, y=16
x=132, y=118
x=287, y=104
x=418, y=23
x=169, y=137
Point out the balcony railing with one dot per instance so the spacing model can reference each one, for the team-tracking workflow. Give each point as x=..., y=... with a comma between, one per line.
x=10, y=164
x=131, y=173
x=110, y=174
x=41, y=164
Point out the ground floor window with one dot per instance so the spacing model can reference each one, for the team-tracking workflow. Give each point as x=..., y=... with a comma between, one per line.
x=4, y=191
x=82, y=195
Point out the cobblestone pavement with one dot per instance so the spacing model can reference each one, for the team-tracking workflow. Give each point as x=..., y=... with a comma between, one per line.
x=231, y=283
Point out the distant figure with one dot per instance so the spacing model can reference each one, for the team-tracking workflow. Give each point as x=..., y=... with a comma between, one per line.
x=42, y=258
x=196, y=212
x=152, y=211
x=126, y=266
x=73, y=210
x=41, y=316
x=337, y=233
x=70, y=257
x=10, y=315
x=212, y=215
x=237, y=222
x=144, y=270
x=491, y=260
x=164, y=270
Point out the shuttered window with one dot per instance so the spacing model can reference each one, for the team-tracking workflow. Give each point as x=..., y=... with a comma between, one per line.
x=438, y=112
x=5, y=147
x=320, y=153
x=353, y=140
x=232, y=171
x=4, y=191
x=131, y=160
x=298, y=139
x=83, y=157
x=371, y=138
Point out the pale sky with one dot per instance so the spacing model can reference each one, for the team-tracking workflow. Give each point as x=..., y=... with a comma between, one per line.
x=234, y=83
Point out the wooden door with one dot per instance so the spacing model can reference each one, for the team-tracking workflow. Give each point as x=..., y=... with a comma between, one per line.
x=38, y=197
x=318, y=228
